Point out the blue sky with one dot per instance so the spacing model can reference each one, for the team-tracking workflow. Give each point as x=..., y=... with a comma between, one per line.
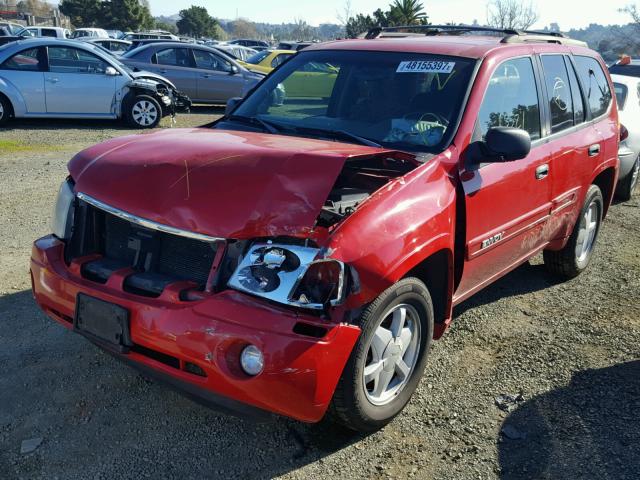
x=568, y=13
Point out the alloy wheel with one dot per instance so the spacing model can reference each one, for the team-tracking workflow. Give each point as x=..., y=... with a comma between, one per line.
x=144, y=113
x=392, y=354
x=588, y=231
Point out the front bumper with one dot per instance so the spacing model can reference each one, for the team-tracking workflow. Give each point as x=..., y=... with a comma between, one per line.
x=300, y=373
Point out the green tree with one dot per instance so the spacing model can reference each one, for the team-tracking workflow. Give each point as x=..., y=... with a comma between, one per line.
x=167, y=27
x=126, y=15
x=196, y=22
x=407, y=12
x=82, y=13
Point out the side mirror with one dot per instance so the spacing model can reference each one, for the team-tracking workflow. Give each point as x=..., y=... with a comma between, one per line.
x=232, y=103
x=505, y=144
x=110, y=72
x=233, y=70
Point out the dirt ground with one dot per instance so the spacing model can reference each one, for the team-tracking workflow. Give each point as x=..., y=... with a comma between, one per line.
x=567, y=354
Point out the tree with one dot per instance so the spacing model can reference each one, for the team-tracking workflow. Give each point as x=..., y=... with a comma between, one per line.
x=302, y=30
x=511, y=14
x=242, y=28
x=126, y=15
x=196, y=22
x=408, y=12
x=166, y=27
x=82, y=13
x=632, y=11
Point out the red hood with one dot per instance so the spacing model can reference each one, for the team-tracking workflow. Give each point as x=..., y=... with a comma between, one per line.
x=221, y=183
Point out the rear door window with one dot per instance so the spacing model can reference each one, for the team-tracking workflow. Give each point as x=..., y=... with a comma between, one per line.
x=511, y=99
x=26, y=60
x=621, y=91
x=594, y=82
x=556, y=79
x=576, y=93
x=48, y=32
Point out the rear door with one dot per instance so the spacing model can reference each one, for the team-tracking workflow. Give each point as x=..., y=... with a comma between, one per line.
x=216, y=80
x=507, y=204
x=24, y=71
x=76, y=83
x=177, y=65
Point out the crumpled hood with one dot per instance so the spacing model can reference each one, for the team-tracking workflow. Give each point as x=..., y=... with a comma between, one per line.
x=151, y=77
x=217, y=182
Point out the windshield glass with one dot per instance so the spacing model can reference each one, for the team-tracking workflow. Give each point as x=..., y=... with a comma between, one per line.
x=405, y=101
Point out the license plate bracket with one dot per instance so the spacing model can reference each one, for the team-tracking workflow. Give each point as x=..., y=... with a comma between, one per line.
x=104, y=323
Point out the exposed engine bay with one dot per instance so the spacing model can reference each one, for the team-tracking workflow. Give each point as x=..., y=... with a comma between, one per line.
x=358, y=180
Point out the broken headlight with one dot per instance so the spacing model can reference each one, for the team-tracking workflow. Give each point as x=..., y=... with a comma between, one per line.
x=290, y=274
x=63, y=211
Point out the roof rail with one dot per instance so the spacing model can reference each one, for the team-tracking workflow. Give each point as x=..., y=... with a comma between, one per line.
x=509, y=35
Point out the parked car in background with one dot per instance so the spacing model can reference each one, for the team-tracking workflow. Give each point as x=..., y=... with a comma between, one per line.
x=12, y=27
x=89, y=32
x=236, y=51
x=258, y=45
x=53, y=32
x=299, y=258
x=627, y=91
x=4, y=39
x=203, y=73
x=116, y=34
x=117, y=47
x=267, y=60
x=42, y=78
x=151, y=35
x=144, y=41
x=287, y=45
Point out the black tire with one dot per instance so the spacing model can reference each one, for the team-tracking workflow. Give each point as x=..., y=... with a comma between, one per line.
x=567, y=263
x=628, y=184
x=350, y=404
x=5, y=110
x=143, y=111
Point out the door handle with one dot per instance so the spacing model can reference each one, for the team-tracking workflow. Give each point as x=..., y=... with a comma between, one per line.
x=594, y=149
x=162, y=70
x=52, y=80
x=542, y=171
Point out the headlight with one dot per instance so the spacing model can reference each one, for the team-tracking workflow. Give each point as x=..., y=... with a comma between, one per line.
x=290, y=274
x=63, y=212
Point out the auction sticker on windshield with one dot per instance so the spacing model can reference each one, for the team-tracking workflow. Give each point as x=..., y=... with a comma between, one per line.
x=421, y=66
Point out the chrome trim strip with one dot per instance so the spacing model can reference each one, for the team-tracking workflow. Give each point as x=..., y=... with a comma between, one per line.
x=143, y=222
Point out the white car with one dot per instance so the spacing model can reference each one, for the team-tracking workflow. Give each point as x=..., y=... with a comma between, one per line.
x=627, y=90
x=53, y=32
x=89, y=32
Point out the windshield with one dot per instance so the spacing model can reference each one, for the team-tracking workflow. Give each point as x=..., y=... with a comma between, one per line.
x=256, y=58
x=405, y=101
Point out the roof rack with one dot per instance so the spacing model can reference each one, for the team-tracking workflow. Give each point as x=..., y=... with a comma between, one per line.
x=509, y=35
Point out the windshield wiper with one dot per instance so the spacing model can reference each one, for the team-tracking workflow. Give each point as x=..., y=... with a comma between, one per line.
x=340, y=134
x=268, y=126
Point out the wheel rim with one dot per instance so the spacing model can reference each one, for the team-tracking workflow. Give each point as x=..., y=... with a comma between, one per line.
x=635, y=174
x=144, y=113
x=588, y=231
x=1, y=111
x=392, y=354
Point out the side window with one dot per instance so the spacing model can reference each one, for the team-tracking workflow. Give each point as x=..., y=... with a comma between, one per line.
x=47, y=32
x=511, y=99
x=621, y=94
x=595, y=84
x=178, y=57
x=73, y=60
x=26, y=60
x=280, y=59
x=576, y=94
x=556, y=79
x=209, y=61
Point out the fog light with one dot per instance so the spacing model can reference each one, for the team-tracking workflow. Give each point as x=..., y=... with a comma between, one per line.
x=251, y=360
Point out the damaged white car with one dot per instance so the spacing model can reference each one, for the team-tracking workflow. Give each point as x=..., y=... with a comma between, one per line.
x=42, y=78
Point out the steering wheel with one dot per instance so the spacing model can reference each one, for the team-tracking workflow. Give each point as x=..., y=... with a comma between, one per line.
x=421, y=116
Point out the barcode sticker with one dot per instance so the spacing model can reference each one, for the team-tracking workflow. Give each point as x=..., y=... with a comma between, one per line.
x=413, y=66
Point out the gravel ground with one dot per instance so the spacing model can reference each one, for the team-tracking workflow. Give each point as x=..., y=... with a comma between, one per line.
x=565, y=354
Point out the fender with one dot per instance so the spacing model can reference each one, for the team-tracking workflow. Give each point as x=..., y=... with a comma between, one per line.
x=14, y=96
x=384, y=244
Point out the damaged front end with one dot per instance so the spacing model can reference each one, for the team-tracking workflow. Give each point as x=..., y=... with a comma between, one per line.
x=170, y=99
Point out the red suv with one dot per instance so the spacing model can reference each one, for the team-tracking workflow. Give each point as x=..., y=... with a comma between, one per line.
x=302, y=252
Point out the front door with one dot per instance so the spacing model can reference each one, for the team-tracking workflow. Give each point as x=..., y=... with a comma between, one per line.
x=507, y=204
x=77, y=84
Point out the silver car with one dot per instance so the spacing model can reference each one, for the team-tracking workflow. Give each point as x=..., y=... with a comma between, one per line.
x=627, y=90
x=204, y=74
x=42, y=78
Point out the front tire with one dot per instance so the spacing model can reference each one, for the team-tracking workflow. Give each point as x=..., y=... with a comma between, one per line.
x=627, y=185
x=5, y=110
x=143, y=111
x=388, y=360
x=574, y=258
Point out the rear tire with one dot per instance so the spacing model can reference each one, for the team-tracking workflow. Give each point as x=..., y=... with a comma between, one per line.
x=574, y=258
x=143, y=111
x=628, y=184
x=383, y=371
x=5, y=110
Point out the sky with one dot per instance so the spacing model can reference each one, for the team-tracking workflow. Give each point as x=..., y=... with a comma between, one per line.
x=567, y=13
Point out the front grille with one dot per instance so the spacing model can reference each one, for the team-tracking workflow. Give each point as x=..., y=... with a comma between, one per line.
x=157, y=258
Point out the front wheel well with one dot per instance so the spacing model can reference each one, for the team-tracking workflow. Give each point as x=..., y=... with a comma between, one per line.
x=605, y=182
x=435, y=273
x=8, y=102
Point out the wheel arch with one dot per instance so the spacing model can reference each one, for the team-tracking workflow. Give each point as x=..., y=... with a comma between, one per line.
x=11, y=111
x=606, y=181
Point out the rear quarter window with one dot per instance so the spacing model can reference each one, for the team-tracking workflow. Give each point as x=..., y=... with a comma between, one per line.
x=595, y=84
x=621, y=92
